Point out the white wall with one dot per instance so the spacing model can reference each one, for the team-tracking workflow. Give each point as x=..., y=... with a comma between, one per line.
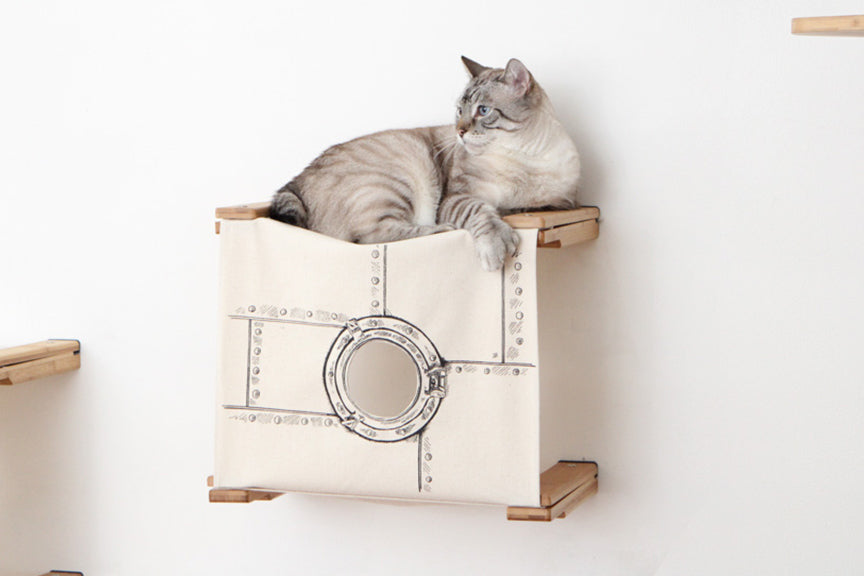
x=715, y=335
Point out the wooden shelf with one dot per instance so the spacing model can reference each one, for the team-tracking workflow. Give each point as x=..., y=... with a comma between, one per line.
x=22, y=363
x=562, y=487
x=557, y=229
x=829, y=25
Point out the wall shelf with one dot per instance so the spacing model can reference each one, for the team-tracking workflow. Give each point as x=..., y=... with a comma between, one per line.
x=829, y=25
x=562, y=488
x=30, y=361
x=557, y=229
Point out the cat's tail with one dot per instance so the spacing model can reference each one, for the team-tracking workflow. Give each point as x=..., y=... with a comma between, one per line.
x=288, y=207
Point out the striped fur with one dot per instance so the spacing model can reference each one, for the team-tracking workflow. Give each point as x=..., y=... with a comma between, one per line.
x=507, y=152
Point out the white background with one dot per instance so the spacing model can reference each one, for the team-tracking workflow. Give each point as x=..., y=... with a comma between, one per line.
x=712, y=355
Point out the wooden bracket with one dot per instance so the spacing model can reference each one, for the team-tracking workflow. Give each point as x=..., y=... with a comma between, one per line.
x=23, y=363
x=557, y=228
x=241, y=496
x=562, y=487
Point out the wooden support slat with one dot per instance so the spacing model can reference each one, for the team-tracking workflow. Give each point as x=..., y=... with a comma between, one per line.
x=27, y=352
x=568, y=235
x=31, y=361
x=829, y=25
x=244, y=211
x=241, y=496
x=552, y=218
x=25, y=371
x=562, y=488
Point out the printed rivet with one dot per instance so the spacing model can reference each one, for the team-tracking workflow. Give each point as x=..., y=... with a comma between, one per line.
x=277, y=419
x=257, y=331
x=375, y=303
x=308, y=313
x=519, y=315
x=519, y=341
x=304, y=421
x=486, y=370
x=283, y=312
x=251, y=308
x=257, y=351
x=330, y=374
x=516, y=371
x=373, y=323
x=328, y=422
x=334, y=316
x=517, y=266
x=458, y=369
x=252, y=418
x=428, y=479
x=409, y=330
x=256, y=394
x=256, y=370
x=375, y=280
x=375, y=254
x=518, y=291
x=428, y=457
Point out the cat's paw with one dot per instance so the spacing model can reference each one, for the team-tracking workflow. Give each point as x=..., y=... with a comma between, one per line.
x=494, y=246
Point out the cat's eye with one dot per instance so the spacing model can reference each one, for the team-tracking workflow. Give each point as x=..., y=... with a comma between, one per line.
x=483, y=110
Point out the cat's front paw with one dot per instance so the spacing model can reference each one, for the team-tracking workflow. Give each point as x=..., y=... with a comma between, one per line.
x=494, y=246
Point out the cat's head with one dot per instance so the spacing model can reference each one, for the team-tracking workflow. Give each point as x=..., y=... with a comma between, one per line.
x=497, y=106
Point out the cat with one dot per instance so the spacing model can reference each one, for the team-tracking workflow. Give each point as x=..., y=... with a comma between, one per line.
x=506, y=152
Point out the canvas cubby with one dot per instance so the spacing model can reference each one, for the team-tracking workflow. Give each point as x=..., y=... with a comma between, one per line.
x=313, y=328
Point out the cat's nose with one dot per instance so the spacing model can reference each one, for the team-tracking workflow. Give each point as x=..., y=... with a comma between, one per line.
x=461, y=132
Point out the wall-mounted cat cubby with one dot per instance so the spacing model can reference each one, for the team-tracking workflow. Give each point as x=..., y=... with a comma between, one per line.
x=397, y=371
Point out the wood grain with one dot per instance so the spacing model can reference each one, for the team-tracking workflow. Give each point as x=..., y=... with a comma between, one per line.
x=27, y=352
x=244, y=211
x=552, y=218
x=829, y=25
x=562, y=488
x=568, y=235
x=239, y=496
x=17, y=373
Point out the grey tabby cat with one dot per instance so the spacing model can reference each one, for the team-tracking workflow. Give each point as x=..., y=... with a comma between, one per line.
x=506, y=153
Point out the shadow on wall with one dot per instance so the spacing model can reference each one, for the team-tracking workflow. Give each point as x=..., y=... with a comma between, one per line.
x=577, y=320
x=49, y=497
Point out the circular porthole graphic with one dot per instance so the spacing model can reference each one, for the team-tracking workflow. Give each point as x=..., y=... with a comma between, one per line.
x=384, y=378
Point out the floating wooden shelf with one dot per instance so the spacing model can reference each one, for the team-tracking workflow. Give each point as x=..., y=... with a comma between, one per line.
x=829, y=25
x=562, y=487
x=557, y=229
x=23, y=363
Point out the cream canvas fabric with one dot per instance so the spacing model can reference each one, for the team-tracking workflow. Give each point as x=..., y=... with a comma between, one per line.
x=312, y=330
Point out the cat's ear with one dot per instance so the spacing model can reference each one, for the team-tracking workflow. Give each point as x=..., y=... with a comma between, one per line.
x=517, y=76
x=474, y=68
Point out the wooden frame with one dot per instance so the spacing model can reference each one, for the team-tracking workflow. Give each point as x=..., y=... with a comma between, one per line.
x=829, y=25
x=22, y=363
x=557, y=229
x=562, y=488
